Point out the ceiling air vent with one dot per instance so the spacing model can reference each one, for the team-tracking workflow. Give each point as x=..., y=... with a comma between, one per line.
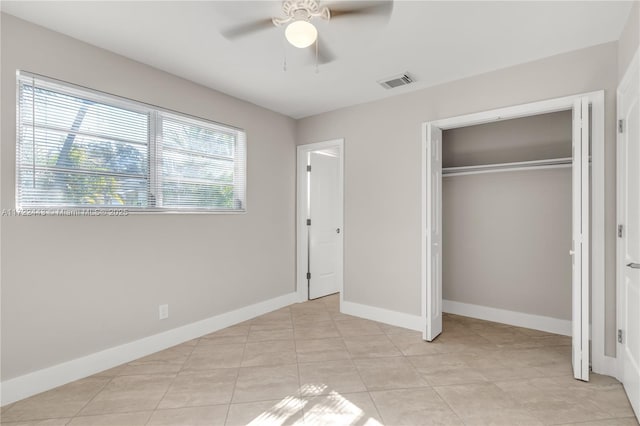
x=396, y=81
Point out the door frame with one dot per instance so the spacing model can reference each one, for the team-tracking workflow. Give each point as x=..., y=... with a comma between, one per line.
x=302, y=288
x=600, y=363
x=634, y=67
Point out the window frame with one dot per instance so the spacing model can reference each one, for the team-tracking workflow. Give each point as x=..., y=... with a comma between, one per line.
x=154, y=134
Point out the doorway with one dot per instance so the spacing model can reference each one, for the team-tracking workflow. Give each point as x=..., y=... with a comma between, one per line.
x=581, y=252
x=320, y=232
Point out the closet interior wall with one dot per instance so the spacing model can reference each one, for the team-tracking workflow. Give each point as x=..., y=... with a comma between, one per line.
x=507, y=234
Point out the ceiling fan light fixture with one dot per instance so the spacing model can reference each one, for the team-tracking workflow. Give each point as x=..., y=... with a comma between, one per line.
x=301, y=33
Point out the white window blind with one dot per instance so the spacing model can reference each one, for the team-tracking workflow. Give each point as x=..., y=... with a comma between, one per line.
x=78, y=148
x=202, y=164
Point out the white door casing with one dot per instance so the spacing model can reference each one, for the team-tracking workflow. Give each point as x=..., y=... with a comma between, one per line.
x=580, y=240
x=434, y=232
x=628, y=258
x=325, y=228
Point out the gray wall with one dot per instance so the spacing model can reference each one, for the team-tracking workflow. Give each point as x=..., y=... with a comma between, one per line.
x=506, y=236
x=629, y=39
x=72, y=286
x=522, y=139
x=382, y=167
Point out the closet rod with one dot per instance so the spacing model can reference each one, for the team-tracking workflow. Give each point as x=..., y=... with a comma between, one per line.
x=551, y=163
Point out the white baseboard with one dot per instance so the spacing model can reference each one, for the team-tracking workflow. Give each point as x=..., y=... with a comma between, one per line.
x=398, y=319
x=519, y=319
x=48, y=378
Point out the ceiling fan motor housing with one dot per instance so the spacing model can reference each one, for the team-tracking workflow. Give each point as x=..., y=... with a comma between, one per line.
x=297, y=10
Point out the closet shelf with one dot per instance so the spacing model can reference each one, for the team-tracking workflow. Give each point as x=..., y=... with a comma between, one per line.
x=550, y=163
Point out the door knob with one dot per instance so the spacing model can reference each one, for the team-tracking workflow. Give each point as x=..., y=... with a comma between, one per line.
x=571, y=252
x=634, y=265
x=337, y=230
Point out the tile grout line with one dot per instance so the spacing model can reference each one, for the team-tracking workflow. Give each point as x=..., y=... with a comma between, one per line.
x=429, y=383
x=235, y=382
x=19, y=422
x=295, y=350
x=587, y=422
x=173, y=380
x=91, y=399
x=455, y=413
x=368, y=391
x=331, y=319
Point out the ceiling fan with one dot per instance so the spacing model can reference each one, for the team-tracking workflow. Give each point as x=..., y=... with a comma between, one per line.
x=300, y=31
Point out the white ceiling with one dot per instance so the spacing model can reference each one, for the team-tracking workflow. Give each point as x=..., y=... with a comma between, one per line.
x=435, y=41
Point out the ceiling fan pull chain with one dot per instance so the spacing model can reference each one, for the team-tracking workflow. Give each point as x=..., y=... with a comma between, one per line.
x=284, y=56
x=317, y=70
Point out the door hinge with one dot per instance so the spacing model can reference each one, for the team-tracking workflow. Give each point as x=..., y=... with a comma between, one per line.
x=308, y=167
x=620, y=339
x=308, y=222
x=620, y=230
x=620, y=126
x=308, y=275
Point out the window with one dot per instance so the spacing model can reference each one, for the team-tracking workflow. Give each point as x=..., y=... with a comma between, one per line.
x=78, y=148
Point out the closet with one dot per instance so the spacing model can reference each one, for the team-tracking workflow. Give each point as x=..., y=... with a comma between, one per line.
x=506, y=217
x=509, y=218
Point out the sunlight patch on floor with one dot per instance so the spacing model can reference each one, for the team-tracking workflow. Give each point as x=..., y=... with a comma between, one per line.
x=312, y=389
x=335, y=409
x=280, y=412
x=329, y=409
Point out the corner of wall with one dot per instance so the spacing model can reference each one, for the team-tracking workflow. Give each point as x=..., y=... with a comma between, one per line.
x=629, y=41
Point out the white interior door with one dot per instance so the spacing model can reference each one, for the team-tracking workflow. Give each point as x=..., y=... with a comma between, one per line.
x=325, y=227
x=434, y=232
x=580, y=249
x=629, y=241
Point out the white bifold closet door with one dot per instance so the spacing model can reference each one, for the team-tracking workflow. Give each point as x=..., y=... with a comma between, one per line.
x=434, y=232
x=580, y=236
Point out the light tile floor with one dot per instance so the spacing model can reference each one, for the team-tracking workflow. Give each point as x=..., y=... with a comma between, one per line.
x=310, y=364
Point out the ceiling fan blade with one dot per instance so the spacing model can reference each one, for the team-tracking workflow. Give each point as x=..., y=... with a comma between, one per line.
x=362, y=9
x=247, y=29
x=324, y=53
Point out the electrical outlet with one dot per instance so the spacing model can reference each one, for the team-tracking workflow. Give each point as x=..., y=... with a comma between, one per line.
x=163, y=312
